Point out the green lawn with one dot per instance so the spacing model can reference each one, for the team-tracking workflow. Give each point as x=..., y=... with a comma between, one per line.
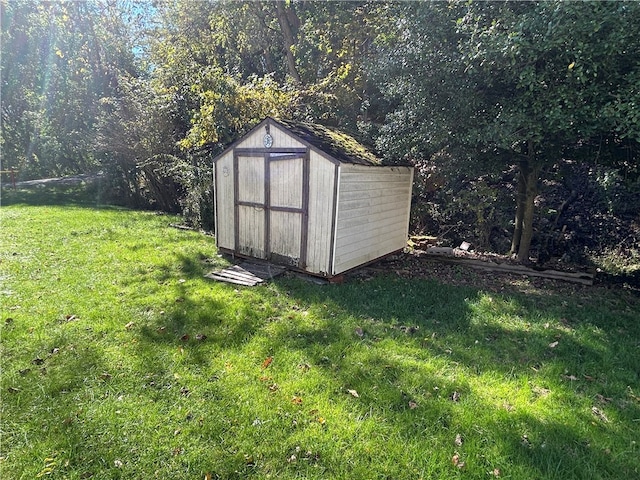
x=119, y=360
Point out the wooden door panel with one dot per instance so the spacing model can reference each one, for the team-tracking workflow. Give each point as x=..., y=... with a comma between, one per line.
x=250, y=206
x=285, y=181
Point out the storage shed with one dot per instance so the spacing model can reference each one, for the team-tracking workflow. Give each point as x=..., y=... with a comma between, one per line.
x=309, y=197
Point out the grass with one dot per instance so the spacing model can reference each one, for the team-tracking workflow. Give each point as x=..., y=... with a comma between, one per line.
x=106, y=374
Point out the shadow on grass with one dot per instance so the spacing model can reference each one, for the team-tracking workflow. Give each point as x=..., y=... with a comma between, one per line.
x=411, y=350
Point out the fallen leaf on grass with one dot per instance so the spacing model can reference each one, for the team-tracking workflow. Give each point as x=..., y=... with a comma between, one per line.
x=600, y=414
x=162, y=330
x=296, y=400
x=455, y=396
x=207, y=476
x=496, y=472
x=273, y=387
x=129, y=325
x=359, y=332
x=572, y=378
x=458, y=440
x=456, y=461
x=267, y=362
x=105, y=376
x=553, y=344
x=70, y=318
x=185, y=337
x=353, y=393
x=413, y=405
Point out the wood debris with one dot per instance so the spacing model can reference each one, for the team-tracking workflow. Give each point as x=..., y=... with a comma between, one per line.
x=248, y=273
x=457, y=256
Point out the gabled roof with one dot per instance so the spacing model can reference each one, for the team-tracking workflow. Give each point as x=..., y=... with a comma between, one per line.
x=337, y=144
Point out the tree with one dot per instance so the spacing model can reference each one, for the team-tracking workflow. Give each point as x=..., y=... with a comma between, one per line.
x=512, y=82
x=58, y=60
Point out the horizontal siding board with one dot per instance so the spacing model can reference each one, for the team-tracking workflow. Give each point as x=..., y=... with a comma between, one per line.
x=368, y=171
x=371, y=203
x=353, y=259
x=370, y=225
x=373, y=213
x=369, y=237
x=375, y=176
x=373, y=247
x=370, y=210
x=378, y=184
x=378, y=193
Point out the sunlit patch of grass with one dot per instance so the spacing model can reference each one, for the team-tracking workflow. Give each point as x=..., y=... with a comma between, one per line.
x=119, y=360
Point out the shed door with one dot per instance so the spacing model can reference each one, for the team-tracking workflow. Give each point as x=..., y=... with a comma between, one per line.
x=271, y=206
x=287, y=204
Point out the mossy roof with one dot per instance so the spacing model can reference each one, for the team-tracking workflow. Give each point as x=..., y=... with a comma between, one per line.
x=339, y=145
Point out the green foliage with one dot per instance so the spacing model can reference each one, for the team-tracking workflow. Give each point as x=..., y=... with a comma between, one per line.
x=148, y=92
x=509, y=83
x=58, y=60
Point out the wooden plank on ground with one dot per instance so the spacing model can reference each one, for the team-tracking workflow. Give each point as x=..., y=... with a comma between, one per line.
x=248, y=274
x=222, y=278
x=583, y=278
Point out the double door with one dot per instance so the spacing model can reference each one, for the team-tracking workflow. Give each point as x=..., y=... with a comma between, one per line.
x=271, y=205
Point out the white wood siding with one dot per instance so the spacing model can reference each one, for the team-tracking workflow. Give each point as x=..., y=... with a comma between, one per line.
x=224, y=201
x=321, y=205
x=281, y=139
x=373, y=213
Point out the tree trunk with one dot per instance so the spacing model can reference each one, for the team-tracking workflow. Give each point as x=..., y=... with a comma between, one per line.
x=520, y=202
x=289, y=41
x=527, y=191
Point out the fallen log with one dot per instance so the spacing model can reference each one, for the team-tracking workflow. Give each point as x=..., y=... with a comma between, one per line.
x=583, y=278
